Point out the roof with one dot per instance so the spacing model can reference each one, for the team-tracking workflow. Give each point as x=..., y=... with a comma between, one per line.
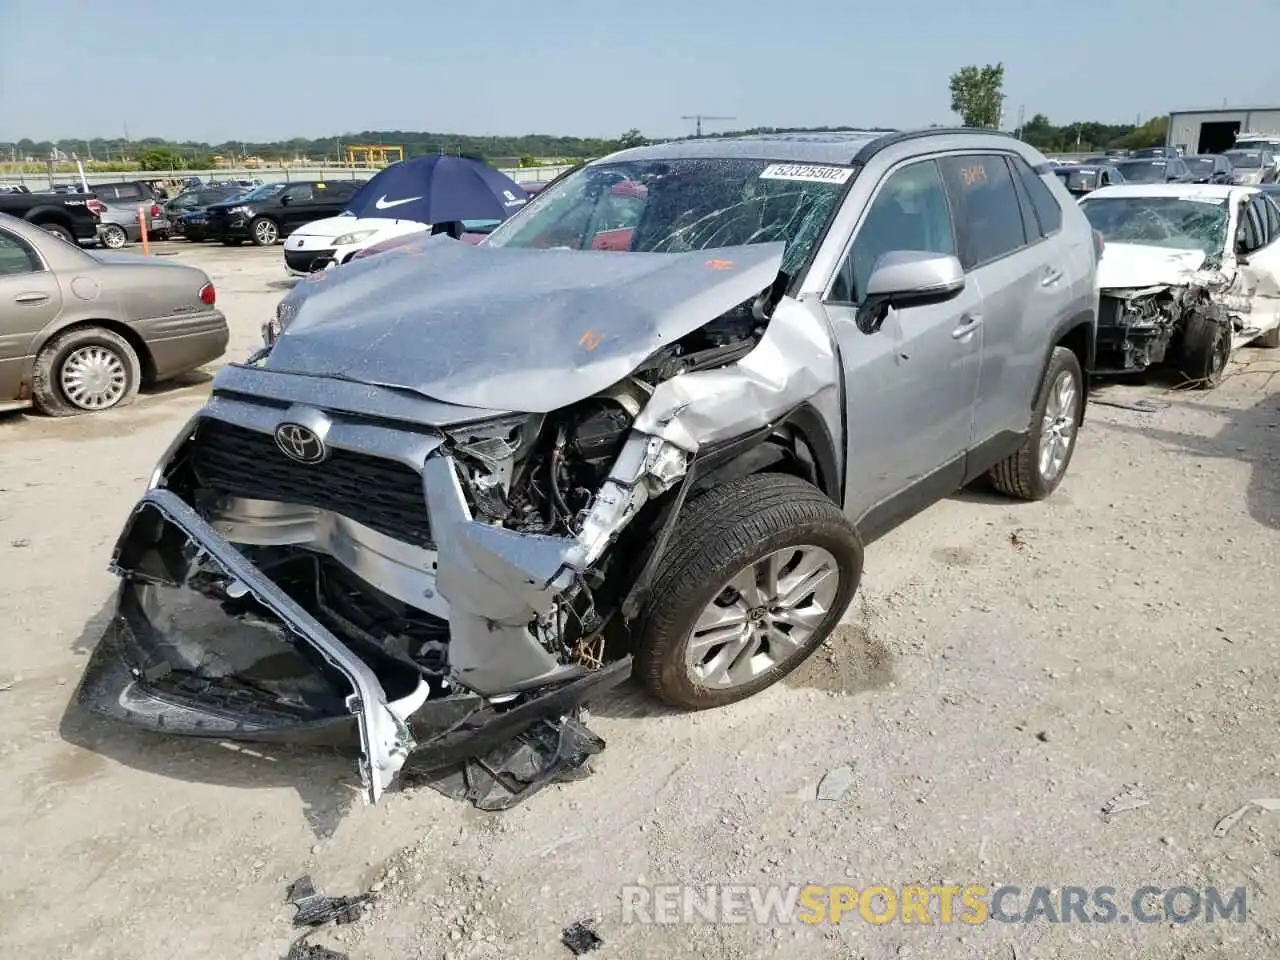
x=781, y=147
x=843, y=147
x=1246, y=109
x=1208, y=191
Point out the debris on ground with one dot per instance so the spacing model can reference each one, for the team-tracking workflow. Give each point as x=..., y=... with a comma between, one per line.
x=1016, y=540
x=301, y=950
x=1132, y=797
x=836, y=783
x=1142, y=405
x=1267, y=804
x=315, y=910
x=548, y=752
x=581, y=937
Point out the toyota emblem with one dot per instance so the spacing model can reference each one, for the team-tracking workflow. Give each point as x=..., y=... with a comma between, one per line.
x=300, y=443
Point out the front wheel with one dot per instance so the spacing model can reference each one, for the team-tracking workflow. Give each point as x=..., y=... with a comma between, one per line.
x=112, y=236
x=265, y=232
x=1206, y=348
x=758, y=574
x=84, y=371
x=1036, y=469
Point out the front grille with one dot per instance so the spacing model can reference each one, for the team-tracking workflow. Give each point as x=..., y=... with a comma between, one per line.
x=381, y=494
x=306, y=261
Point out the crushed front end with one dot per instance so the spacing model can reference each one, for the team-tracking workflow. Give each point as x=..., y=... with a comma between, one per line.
x=319, y=555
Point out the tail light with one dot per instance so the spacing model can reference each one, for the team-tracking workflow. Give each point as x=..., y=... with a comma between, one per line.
x=208, y=296
x=155, y=211
x=1099, y=244
x=95, y=206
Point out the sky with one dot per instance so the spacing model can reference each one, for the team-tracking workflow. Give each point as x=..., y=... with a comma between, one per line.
x=257, y=70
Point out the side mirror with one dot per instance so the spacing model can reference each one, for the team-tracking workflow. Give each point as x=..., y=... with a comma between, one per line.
x=285, y=199
x=908, y=278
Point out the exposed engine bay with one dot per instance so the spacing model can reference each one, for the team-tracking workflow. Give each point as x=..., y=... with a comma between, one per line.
x=1138, y=329
x=457, y=580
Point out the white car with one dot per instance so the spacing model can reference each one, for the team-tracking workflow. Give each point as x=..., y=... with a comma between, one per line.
x=324, y=244
x=1189, y=273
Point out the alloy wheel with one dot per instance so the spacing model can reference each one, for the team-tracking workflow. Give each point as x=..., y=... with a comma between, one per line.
x=762, y=617
x=1058, y=429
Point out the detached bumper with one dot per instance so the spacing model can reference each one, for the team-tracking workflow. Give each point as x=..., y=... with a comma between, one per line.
x=205, y=643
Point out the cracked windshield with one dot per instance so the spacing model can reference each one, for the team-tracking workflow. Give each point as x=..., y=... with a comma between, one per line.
x=677, y=205
x=1182, y=224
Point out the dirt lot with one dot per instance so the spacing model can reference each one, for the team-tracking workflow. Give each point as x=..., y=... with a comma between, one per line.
x=1008, y=669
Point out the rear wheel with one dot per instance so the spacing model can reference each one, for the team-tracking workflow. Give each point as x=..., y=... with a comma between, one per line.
x=758, y=574
x=84, y=371
x=1041, y=462
x=1206, y=348
x=112, y=236
x=58, y=231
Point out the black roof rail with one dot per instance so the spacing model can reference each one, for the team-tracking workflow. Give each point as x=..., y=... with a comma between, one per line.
x=864, y=155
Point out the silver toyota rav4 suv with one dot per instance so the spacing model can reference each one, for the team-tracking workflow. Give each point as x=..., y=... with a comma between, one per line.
x=649, y=422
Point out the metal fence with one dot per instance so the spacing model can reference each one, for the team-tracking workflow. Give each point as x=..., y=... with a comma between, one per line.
x=39, y=181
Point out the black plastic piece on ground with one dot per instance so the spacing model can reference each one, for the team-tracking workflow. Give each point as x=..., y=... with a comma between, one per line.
x=580, y=938
x=301, y=950
x=314, y=909
x=551, y=751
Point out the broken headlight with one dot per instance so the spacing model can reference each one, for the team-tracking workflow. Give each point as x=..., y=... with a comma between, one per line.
x=487, y=455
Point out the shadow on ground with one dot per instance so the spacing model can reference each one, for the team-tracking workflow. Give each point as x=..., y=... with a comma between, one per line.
x=1252, y=436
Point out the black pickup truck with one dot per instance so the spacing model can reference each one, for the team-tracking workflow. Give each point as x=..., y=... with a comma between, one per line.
x=71, y=216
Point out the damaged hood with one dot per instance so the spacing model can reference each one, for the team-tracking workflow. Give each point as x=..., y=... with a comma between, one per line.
x=502, y=328
x=1133, y=265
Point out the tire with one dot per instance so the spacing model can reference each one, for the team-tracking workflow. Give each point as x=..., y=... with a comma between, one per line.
x=264, y=231
x=1205, y=349
x=112, y=236
x=58, y=230
x=719, y=536
x=106, y=350
x=1034, y=472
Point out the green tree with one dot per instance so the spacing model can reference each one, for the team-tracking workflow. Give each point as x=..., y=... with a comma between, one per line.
x=1153, y=133
x=530, y=162
x=160, y=158
x=977, y=94
x=632, y=138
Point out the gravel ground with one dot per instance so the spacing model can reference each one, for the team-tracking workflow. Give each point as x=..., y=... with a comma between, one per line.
x=1007, y=670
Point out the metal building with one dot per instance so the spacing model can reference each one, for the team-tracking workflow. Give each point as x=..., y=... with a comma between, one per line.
x=1215, y=130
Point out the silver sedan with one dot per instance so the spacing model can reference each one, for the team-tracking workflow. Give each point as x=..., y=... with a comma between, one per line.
x=81, y=332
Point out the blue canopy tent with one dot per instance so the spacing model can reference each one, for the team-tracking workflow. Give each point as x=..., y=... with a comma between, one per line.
x=439, y=189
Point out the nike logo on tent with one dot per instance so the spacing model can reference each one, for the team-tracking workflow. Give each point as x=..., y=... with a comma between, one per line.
x=385, y=204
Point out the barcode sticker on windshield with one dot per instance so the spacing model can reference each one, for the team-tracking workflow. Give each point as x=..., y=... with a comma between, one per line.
x=813, y=173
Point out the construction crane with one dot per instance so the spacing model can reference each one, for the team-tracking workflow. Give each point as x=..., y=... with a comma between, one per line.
x=699, y=117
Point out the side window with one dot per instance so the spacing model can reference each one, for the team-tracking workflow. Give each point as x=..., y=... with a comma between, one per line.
x=105, y=194
x=909, y=212
x=298, y=194
x=1258, y=211
x=1273, y=219
x=985, y=206
x=1045, y=204
x=16, y=257
x=1250, y=231
x=128, y=191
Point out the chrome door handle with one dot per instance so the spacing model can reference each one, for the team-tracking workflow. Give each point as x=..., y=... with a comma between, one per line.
x=971, y=324
x=31, y=298
x=1051, y=276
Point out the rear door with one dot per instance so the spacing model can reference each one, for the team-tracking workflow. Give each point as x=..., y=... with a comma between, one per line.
x=30, y=299
x=1025, y=274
